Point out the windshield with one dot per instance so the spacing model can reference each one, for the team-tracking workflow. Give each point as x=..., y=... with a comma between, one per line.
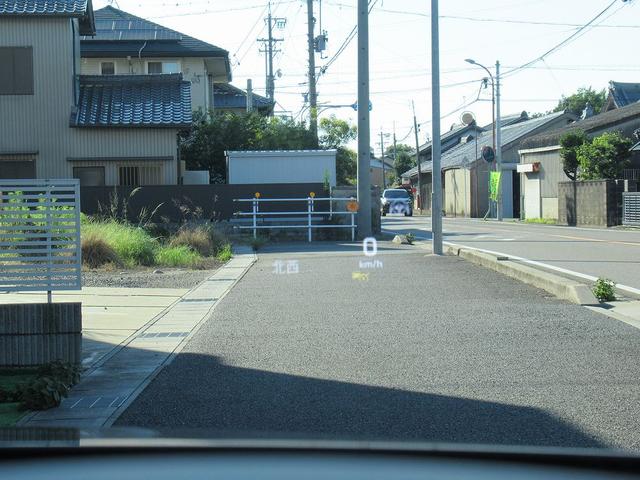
x=259, y=237
x=395, y=194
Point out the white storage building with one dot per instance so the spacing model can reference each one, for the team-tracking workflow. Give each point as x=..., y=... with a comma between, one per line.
x=281, y=166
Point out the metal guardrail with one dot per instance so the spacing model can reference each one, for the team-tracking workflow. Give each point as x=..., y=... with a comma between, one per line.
x=310, y=214
x=40, y=235
x=631, y=208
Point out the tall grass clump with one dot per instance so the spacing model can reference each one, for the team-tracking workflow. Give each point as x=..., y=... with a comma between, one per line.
x=96, y=252
x=197, y=238
x=177, y=256
x=133, y=245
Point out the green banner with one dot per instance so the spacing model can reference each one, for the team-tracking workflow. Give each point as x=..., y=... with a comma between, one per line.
x=494, y=185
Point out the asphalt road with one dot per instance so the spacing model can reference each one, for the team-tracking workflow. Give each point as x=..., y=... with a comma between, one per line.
x=583, y=253
x=424, y=348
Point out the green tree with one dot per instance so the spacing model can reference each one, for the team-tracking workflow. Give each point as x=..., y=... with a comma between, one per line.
x=575, y=103
x=204, y=147
x=569, y=143
x=337, y=133
x=405, y=158
x=604, y=157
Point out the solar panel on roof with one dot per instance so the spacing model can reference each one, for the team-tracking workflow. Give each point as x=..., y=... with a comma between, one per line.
x=132, y=30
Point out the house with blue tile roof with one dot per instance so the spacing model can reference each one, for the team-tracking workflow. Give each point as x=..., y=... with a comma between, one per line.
x=621, y=94
x=125, y=44
x=58, y=123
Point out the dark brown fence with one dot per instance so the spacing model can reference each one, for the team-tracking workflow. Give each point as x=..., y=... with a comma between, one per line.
x=180, y=202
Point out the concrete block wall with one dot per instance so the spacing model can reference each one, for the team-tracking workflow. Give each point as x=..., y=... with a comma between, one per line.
x=35, y=334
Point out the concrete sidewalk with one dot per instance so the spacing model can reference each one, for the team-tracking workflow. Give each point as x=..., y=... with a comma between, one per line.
x=121, y=361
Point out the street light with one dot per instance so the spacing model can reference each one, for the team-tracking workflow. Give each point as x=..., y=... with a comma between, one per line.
x=495, y=115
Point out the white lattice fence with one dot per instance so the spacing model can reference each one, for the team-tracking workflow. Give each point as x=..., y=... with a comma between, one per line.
x=631, y=208
x=40, y=235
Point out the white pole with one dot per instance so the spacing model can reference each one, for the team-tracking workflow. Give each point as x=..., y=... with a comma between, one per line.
x=498, y=143
x=436, y=195
x=364, y=178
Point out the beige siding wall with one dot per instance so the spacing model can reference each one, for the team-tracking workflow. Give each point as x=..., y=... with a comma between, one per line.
x=458, y=189
x=193, y=70
x=549, y=175
x=40, y=122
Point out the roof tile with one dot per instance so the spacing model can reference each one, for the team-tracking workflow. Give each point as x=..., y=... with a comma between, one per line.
x=134, y=101
x=43, y=7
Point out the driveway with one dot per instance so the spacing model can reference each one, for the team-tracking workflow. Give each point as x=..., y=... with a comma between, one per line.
x=421, y=348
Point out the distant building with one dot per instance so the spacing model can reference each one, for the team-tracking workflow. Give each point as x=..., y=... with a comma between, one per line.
x=621, y=94
x=465, y=175
x=541, y=166
x=376, y=172
x=125, y=44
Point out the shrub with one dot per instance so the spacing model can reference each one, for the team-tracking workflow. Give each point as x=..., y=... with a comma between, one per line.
x=604, y=290
x=96, y=252
x=43, y=393
x=66, y=372
x=178, y=256
x=133, y=245
x=224, y=254
x=196, y=238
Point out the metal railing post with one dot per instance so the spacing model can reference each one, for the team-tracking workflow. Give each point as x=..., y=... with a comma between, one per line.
x=255, y=211
x=353, y=227
x=309, y=209
x=48, y=225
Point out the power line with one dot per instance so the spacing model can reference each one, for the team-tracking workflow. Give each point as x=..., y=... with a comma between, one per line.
x=249, y=33
x=564, y=42
x=490, y=20
x=344, y=45
x=206, y=11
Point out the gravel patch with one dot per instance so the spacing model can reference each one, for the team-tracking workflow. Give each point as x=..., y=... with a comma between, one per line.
x=146, y=278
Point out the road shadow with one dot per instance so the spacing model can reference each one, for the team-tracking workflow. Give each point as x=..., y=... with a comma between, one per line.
x=198, y=395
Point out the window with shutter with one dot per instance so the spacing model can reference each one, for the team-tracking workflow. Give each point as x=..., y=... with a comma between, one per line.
x=16, y=71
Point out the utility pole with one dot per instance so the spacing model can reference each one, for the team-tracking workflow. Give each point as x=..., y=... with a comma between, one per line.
x=364, y=140
x=395, y=152
x=415, y=129
x=384, y=181
x=436, y=179
x=313, y=96
x=498, y=143
x=249, y=96
x=269, y=50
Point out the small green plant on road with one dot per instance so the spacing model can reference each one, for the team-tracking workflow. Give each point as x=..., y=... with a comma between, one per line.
x=410, y=238
x=604, y=290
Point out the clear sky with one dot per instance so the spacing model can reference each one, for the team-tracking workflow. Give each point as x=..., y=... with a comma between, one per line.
x=513, y=32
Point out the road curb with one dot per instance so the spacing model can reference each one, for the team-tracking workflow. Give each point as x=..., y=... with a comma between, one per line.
x=563, y=288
